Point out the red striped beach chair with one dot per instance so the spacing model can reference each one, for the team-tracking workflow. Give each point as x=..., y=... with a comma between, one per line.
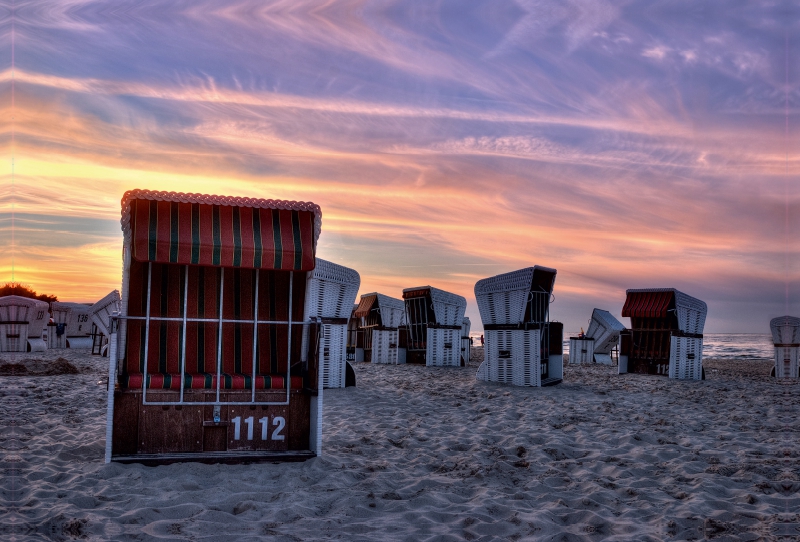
x=212, y=356
x=666, y=334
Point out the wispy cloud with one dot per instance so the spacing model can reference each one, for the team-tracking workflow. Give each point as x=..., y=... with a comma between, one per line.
x=627, y=145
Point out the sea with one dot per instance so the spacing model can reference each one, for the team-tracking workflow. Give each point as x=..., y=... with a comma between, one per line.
x=715, y=345
x=725, y=345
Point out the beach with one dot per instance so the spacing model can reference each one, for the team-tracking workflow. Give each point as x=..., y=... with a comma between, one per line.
x=418, y=453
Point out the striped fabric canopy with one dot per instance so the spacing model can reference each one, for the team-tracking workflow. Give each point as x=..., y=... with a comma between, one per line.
x=648, y=303
x=169, y=227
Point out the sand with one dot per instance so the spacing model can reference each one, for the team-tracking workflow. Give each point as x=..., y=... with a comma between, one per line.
x=416, y=453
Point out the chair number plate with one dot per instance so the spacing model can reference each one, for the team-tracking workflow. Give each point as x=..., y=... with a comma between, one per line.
x=278, y=425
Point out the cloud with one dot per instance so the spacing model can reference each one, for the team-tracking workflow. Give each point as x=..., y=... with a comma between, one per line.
x=626, y=145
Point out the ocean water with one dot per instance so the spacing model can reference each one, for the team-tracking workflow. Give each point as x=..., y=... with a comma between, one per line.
x=725, y=345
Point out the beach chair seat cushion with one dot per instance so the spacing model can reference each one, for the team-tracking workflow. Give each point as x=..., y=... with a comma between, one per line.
x=230, y=381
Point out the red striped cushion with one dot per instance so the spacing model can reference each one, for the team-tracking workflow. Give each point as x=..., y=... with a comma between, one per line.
x=169, y=381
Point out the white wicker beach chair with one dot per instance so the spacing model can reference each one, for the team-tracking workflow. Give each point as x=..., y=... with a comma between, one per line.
x=605, y=330
x=21, y=322
x=100, y=317
x=57, y=329
x=666, y=335
x=380, y=319
x=515, y=310
x=581, y=350
x=434, y=319
x=79, y=325
x=786, y=338
x=466, y=325
x=332, y=288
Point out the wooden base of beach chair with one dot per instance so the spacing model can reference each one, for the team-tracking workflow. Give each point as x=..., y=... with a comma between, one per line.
x=229, y=458
x=209, y=433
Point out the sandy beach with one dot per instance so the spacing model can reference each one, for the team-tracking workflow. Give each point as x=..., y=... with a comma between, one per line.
x=416, y=453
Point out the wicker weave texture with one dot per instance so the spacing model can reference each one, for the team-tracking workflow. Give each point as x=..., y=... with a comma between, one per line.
x=61, y=312
x=502, y=299
x=785, y=330
x=686, y=358
x=14, y=308
x=332, y=289
x=332, y=349
x=101, y=312
x=581, y=350
x=443, y=348
x=79, y=322
x=13, y=337
x=448, y=307
x=384, y=346
x=466, y=325
x=787, y=364
x=392, y=310
x=604, y=329
x=513, y=357
x=55, y=341
x=691, y=311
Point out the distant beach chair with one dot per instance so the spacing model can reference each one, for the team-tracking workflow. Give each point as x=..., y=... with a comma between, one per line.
x=218, y=359
x=466, y=347
x=355, y=338
x=22, y=321
x=332, y=288
x=522, y=346
x=61, y=315
x=786, y=338
x=434, y=319
x=100, y=315
x=79, y=325
x=599, y=342
x=581, y=350
x=666, y=334
x=380, y=318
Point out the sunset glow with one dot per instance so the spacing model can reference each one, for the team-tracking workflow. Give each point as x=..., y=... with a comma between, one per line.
x=626, y=146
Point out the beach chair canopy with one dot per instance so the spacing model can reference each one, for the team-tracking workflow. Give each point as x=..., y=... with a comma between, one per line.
x=446, y=308
x=605, y=330
x=333, y=288
x=687, y=313
x=15, y=309
x=79, y=320
x=517, y=297
x=785, y=330
x=100, y=312
x=380, y=310
x=61, y=312
x=220, y=231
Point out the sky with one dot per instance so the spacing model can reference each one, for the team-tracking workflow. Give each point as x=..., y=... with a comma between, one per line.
x=626, y=144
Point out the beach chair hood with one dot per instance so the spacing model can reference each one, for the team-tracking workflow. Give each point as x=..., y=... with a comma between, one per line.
x=785, y=330
x=659, y=302
x=390, y=308
x=605, y=330
x=448, y=307
x=224, y=231
x=332, y=290
x=15, y=308
x=502, y=299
